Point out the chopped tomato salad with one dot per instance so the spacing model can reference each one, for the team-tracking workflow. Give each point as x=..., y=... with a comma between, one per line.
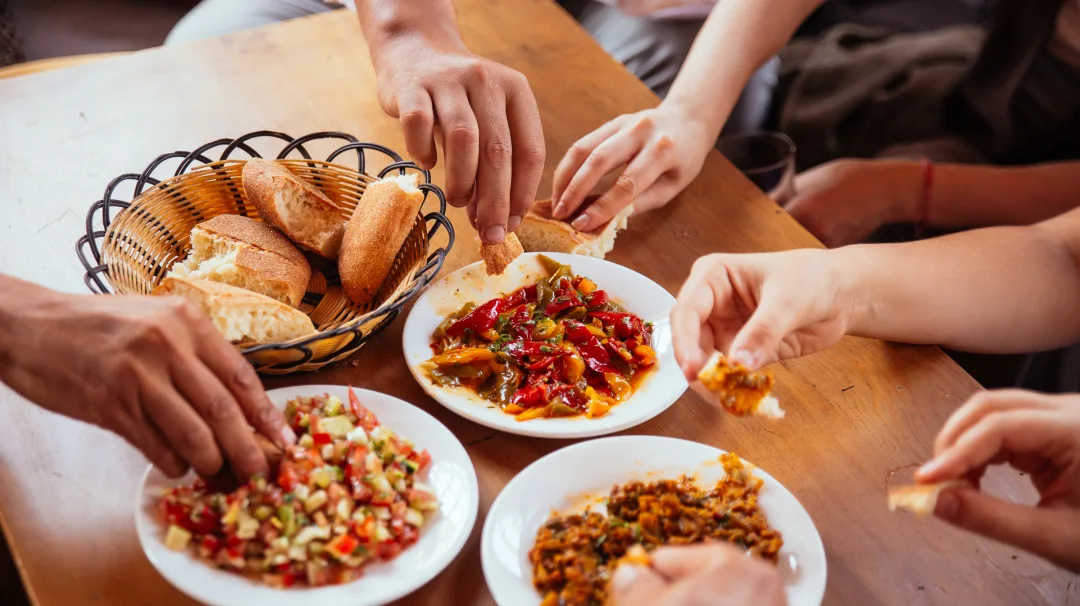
x=345, y=496
x=558, y=348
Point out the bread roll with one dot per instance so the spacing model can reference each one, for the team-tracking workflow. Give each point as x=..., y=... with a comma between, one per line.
x=921, y=499
x=294, y=206
x=241, y=316
x=375, y=233
x=246, y=253
x=539, y=232
x=497, y=257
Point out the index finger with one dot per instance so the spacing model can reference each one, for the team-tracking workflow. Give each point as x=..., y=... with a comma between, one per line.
x=493, y=175
x=240, y=379
x=675, y=563
x=1012, y=432
x=983, y=404
x=692, y=310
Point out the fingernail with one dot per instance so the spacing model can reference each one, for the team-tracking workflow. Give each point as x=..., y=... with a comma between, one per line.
x=929, y=468
x=288, y=437
x=744, y=357
x=948, y=506
x=580, y=223
x=512, y=223
x=625, y=575
x=494, y=235
x=560, y=209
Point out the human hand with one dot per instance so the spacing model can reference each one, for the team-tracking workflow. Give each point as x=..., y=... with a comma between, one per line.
x=663, y=150
x=714, y=574
x=484, y=114
x=845, y=201
x=1036, y=434
x=151, y=369
x=642, y=8
x=759, y=308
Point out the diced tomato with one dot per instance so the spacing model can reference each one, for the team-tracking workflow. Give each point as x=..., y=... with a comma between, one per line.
x=421, y=458
x=408, y=536
x=388, y=550
x=365, y=529
x=321, y=438
x=361, y=493
x=288, y=476
x=288, y=579
x=365, y=418
x=342, y=546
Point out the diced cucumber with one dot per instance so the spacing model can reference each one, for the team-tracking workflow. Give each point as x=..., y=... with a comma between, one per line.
x=338, y=427
x=177, y=538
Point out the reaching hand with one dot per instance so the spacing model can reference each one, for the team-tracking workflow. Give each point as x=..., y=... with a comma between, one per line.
x=1034, y=433
x=759, y=308
x=845, y=201
x=714, y=574
x=151, y=369
x=486, y=117
x=663, y=149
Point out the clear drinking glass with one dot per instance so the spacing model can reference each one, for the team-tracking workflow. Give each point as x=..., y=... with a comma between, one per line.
x=767, y=158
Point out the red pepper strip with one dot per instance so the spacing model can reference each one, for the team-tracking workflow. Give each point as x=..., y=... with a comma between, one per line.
x=577, y=333
x=521, y=296
x=321, y=438
x=480, y=319
x=529, y=397
x=595, y=356
x=626, y=325
x=565, y=300
x=542, y=363
x=596, y=298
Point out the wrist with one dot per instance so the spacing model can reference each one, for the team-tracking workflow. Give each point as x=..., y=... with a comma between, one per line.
x=693, y=114
x=906, y=186
x=394, y=26
x=856, y=306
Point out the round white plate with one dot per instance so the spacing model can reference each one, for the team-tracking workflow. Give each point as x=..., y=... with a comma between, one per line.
x=577, y=476
x=451, y=474
x=635, y=292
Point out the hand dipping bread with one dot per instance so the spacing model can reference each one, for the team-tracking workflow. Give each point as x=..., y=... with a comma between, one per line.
x=375, y=233
x=497, y=257
x=294, y=206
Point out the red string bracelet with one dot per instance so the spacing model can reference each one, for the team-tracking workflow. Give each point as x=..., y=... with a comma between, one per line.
x=924, y=201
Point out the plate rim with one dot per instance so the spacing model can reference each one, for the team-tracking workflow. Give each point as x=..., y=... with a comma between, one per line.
x=488, y=528
x=145, y=534
x=524, y=429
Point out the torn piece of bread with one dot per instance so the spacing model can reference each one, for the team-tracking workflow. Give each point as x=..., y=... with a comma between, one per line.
x=497, y=257
x=294, y=206
x=375, y=233
x=241, y=316
x=920, y=499
x=246, y=253
x=739, y=390
x=539, y=232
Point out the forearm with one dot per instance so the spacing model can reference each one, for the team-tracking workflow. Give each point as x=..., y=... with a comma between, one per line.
x=387, y=21
x=737, y=38
x=19, y=299
x=1003, y=289
x=977, y=196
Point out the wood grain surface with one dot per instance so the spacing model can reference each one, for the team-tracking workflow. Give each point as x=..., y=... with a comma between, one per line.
x=856, y=413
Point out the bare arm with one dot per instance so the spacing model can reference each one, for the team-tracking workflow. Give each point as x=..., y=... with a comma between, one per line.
x=1002, y=289
x=737, y=38
x=385, y=21
x=977, y=196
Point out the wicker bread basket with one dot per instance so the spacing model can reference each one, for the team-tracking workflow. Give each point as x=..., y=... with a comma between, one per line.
x=129, y=247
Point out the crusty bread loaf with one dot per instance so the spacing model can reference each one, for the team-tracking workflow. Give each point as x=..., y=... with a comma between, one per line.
x=920, y=499
x=294, y=206
x=539, y=232
x=374, y=235
x=246, y=253
x=241, y=316
x=498, y=256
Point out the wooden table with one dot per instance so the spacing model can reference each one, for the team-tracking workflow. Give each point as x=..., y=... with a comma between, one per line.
x=855, y=413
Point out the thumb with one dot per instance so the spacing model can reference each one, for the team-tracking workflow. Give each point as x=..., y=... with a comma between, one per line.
x=1049, y=533
x=635, y=585
x=757, y=344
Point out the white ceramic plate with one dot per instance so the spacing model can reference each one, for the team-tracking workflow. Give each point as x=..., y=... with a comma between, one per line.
x=569, y=479
x=451, y=474
x=635, y=292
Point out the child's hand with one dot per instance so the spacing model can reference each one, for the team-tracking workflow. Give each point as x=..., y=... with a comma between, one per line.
x=715, y=574
x=1035, y=433
x=759, y=308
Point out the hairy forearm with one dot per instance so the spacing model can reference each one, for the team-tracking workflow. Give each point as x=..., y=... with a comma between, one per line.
x=387, y=21
x=17, y=297
x=737, y=38
x=1002, y=289
x=977, y=196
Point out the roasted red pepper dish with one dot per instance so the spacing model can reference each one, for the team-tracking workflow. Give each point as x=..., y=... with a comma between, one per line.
x=575, y=556
x=557, y=348
x=345, y=496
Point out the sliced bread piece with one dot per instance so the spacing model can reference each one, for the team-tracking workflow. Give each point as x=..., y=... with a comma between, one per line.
x=539, y=232
x=739, y=390
x=294, y=206
x=246, y=253
x=920, y=499
x=497, y=257
x=375, y=233
x=241, y=316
